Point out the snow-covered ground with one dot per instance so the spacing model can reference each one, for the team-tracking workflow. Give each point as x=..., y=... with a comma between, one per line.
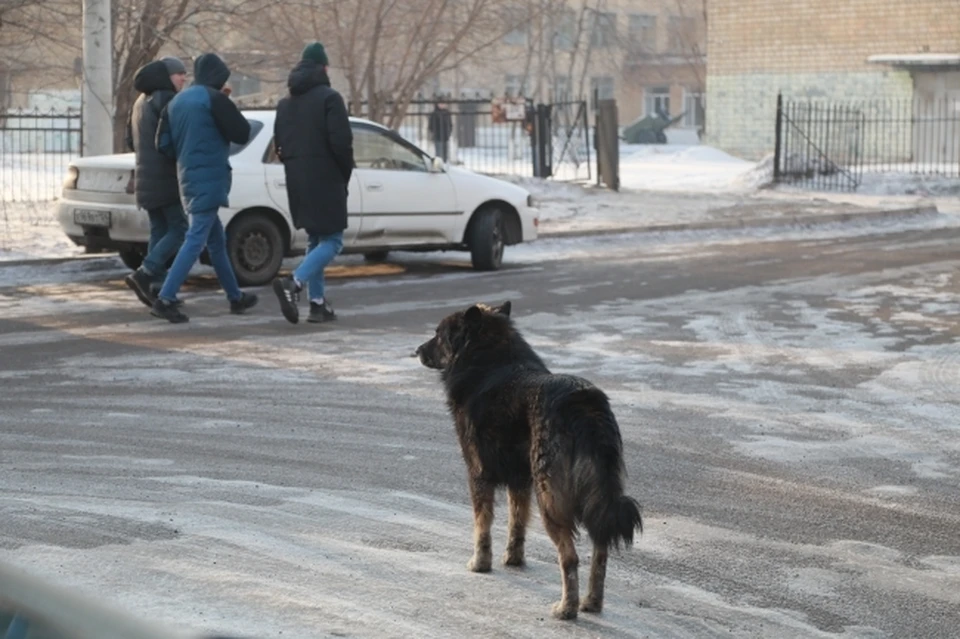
x=661, y=184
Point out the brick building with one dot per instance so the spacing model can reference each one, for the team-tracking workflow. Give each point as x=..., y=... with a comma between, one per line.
x=863, y=49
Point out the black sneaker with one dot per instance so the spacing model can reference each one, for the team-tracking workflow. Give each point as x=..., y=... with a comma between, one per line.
x=245, y=303
x=289, y=295
x=168, y=311
x=321, y=313
x=155, y=291
x=140, y=283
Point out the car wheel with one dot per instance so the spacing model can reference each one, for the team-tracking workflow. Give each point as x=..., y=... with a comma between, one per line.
x=255, y=247
x=132, y=259
x=376, y=256
x=486, y=240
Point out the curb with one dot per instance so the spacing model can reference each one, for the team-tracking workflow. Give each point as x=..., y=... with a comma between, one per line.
x=754, y=222
x=748, y=223
x=53, y=261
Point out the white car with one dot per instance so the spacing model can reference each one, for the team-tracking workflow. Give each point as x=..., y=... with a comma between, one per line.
x=400, y=199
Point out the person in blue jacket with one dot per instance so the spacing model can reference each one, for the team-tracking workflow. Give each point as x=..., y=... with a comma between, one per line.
x=197, y=127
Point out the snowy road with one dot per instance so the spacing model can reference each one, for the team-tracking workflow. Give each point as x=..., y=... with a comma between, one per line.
x=789, y=406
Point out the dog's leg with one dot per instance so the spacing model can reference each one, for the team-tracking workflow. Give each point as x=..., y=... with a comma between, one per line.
x=482, y=494
x=598, y=573
x=519, y=505
x=562, y=536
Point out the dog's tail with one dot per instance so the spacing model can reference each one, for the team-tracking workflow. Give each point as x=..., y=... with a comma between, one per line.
x=610, y=516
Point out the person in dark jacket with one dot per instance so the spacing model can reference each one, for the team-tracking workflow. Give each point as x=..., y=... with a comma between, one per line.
x=440, y=127
x=314, y=141
x=155, y=178
x=197, y=128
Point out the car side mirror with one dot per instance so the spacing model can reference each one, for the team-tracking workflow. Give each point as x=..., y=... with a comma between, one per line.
x=437, y=166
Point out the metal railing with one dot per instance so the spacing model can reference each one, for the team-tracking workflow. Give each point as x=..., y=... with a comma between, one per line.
x=35, y=149
x=836, y=144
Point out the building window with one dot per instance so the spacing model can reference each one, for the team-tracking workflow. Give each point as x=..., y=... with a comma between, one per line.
x=565, y=31
x=682, y=35
x=693, y=111
x=657, y=101
x=513, y=86
x=242, y=84
x=561, y=88
x=603, y=30
x=642, y=32
x=601, y=88
x=518, y=23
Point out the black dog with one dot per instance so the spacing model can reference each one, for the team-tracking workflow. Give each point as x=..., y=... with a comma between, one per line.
x=521, y=426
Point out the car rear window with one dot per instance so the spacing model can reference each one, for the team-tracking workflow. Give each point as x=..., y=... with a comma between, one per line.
x=255, y=128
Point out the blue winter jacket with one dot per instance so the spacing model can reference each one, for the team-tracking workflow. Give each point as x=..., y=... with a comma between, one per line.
x=196, y=128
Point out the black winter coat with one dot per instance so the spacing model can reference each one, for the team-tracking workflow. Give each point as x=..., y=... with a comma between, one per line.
x=314, y=141
x=440, y=125
x=156, y=174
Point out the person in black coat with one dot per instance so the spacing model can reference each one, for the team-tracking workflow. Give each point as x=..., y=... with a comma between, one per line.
x=440, y=127
x=313, y=139
x=155, y=177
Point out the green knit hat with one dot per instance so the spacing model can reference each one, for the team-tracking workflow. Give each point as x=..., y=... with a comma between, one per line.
x=315, y=51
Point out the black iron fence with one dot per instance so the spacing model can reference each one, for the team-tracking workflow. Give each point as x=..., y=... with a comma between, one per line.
x=840, y=144
x=498, y=137
x=35, y=149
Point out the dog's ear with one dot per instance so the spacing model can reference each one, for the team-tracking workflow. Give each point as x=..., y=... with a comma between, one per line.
x=503, y=309
x=472, y=316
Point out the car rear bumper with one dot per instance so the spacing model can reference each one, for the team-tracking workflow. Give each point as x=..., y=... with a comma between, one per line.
x=128, y=227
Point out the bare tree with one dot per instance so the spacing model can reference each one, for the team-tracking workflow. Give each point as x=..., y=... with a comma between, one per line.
x=388, y=50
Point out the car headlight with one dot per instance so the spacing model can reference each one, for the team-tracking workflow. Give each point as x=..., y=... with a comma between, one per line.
x=70, y=182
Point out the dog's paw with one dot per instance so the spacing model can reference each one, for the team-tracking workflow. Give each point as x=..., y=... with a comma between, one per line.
x=564, y=611
x=479, y=564
x=591, y=605
x=514, y=558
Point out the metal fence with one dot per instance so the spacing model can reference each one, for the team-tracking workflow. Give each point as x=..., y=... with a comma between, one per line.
x=35, y=149
x=483, y=141
x=838, y=144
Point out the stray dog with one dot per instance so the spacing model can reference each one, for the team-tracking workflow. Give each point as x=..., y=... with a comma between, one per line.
x=523, y=427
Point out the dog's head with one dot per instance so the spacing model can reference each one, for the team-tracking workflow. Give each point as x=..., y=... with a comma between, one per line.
x=454, y=333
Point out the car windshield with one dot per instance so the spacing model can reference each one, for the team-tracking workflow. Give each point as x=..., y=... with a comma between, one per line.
x=255, y=128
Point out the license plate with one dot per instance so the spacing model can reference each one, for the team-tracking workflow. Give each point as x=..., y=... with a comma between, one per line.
x=88, y=217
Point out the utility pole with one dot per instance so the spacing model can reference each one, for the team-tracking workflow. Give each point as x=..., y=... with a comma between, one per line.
x=97, y=121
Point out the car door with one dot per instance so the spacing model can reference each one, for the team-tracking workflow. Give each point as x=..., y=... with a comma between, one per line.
x=404, y=202
x=277, y=188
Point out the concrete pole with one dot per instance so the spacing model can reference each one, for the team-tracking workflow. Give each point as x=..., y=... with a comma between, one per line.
x=97, y=78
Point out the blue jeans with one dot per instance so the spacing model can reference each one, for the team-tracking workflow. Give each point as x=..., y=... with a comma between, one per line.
x=168, y=226
x=205, y=230
x=321, y=249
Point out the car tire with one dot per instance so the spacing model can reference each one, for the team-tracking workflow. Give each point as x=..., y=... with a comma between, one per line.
x=486, y=240
x=132, y=259
x=376, y=256
x=255, y=247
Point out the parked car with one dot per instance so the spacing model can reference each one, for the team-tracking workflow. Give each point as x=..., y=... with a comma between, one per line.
x=400, y=199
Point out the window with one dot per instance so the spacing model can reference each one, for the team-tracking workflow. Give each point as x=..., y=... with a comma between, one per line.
x=561, y=88
x=601, y=88
x=513, y=86
x=565, y=31
x=694, y=112
x=373, y=149
x=682, y=35
x=642, y=32
x=517, y=24
x=603, y=29
x=657, y=101
x=255, y=127
x=243, y=84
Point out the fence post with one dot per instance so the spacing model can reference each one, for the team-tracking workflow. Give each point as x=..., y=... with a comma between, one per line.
x=543, y=155
x=778, y=139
